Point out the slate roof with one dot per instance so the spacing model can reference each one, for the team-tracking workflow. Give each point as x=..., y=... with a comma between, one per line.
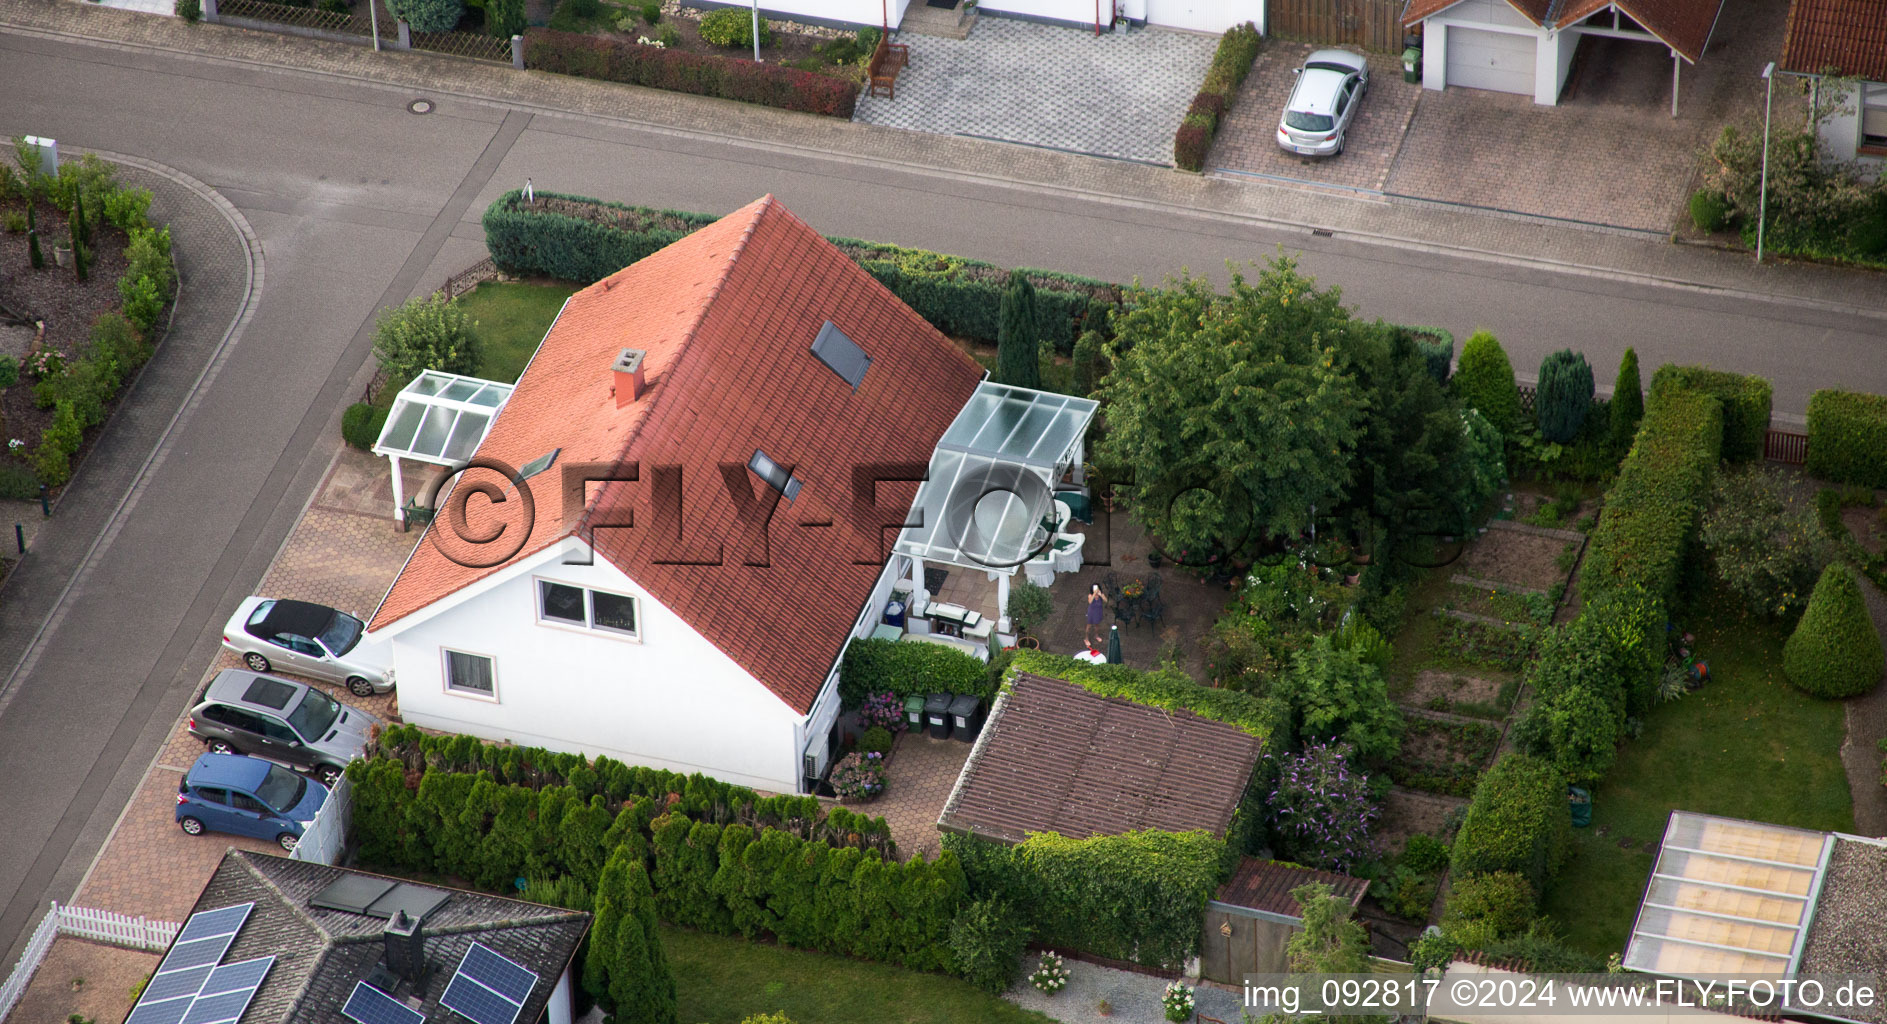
x=1266, y=885
x=320, y=954
x=1847, y=35
x=1057, y=758
x=727, y=317
x=1683, y=25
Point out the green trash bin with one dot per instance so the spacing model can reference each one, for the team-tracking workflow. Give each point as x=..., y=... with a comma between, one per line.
x=914, y=713
x=1581, y=801
x=1412, y=64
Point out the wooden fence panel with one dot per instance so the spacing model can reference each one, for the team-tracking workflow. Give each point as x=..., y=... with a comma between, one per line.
x=1785, y=446
x=1370, y=24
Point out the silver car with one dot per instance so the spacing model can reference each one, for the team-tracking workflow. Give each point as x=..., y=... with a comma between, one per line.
x=280, y=720
x=308, y=640
x=1330, y=86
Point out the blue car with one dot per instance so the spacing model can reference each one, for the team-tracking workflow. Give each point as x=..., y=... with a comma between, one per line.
x=247, y=796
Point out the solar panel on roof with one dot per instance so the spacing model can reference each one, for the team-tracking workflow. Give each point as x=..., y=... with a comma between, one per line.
x=189, y=966
x=369, y=1005
x=226, y=995
x=169, y=1011
x=226, y=921
x=488, y=988
x=172, y=984
x=351, y=893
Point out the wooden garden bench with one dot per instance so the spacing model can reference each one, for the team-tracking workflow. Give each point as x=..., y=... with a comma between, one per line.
x=887, y=60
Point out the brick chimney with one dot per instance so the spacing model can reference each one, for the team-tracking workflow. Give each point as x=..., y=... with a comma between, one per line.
x=629, y=380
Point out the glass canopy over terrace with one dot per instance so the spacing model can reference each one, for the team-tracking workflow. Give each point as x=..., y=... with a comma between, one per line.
x=439, y=418
x=992, y=477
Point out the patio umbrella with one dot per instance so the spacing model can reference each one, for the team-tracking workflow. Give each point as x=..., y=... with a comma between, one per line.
x=1113, y=645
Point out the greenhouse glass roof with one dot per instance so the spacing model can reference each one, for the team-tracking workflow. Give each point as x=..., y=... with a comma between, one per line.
x=992, y=477
x=440, y=418
x=1727, y=897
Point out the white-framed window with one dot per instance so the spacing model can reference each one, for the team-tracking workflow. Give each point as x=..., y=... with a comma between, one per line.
x=474, y=675
x=565, y=604
x=1874, y=115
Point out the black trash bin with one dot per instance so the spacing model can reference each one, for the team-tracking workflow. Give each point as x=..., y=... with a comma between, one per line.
x=966, y=716
x=937, y=713
x=894, y=614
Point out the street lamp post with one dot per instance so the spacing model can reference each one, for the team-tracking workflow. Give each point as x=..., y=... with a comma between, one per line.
x=756, y=31
x=1762, y=193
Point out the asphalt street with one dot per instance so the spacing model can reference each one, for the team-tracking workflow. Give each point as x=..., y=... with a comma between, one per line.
x=359, y=203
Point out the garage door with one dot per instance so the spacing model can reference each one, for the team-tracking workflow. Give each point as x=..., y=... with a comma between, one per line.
x=1479, y=59
x=1200, y=15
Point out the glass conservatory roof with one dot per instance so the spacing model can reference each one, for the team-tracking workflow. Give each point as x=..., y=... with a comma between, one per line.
x=1727, y=897
x=441, y=417
x=992, y=476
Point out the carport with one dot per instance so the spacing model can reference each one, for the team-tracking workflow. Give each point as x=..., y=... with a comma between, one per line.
x=1527, y=46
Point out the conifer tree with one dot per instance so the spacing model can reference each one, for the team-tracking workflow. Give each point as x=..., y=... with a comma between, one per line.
x=1628, y=401
x=1018, y=336
x=77, y=225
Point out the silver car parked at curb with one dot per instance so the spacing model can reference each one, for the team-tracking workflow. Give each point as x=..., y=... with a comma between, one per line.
x=309, y=640
x=1330, y=86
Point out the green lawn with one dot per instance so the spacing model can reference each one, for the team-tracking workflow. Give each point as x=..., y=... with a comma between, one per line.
x=512, y=319
x=721, y=980
x=1747, y=745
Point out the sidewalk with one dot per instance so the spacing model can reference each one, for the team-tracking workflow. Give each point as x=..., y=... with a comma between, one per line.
x=1408, y=225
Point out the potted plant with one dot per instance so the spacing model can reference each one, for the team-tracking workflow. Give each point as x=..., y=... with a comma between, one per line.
x=1029, y=605
x=1051, y=975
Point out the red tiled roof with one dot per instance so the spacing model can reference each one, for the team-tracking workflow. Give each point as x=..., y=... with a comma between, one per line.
x=1057, y=758
x=1683, y=25
x=727, y=317
x=1847, y=35
x=1266, y=885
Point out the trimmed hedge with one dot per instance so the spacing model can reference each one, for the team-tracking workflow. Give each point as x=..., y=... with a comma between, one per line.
x=1267, y=718
x=1134, y=896
x=1652, y=511
x=1518, y=821
x=576, y=238
x=729, y=78
x=1847, y=437
x=877, y=666
x=1834, y=651
x=1484, y=381
x=361, y=424
x=1503, y=899
x=1231, y=62
x=1746, y=404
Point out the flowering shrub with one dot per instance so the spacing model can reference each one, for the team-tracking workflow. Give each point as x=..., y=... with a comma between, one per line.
x=1178, y=1002
x=882, y=711
x=46, y=362
x=1051, y=975
x=1320, y=810
x=859, y=776
x=1764, y=541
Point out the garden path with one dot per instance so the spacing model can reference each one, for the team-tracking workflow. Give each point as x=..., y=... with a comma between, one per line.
x=1867, y=725
x=1132, y=998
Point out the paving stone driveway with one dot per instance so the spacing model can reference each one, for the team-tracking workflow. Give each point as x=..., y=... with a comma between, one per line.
x=1247, y=142
x=1119, y=95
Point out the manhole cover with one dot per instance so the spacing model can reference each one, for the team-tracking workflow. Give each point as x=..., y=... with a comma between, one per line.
x=419, y=107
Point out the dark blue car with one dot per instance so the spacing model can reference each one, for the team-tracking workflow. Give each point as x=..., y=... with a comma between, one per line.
x=247, y=796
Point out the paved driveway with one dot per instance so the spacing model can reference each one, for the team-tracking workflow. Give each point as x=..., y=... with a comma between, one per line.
x=1117, y=95
x=1247, y=142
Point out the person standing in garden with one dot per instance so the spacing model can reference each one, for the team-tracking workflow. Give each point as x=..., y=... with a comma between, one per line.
x=1097, y=601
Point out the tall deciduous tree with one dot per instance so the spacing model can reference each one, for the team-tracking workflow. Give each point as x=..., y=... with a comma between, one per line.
x=1018, y=335
x=1235, y=413
x=1628, y=401
x=1412, y=439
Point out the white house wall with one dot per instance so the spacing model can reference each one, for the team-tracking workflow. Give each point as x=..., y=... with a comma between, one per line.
x=1197, y=15
x=1564, y=42
x=835, y=12
x=1840, y=131
x=1553, y=51
x=669, y=700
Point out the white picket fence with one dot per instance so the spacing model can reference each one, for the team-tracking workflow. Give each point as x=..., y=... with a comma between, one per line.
x=324, y=841
x=84, y=923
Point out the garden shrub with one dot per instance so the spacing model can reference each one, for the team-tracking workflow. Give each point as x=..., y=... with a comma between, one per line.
x=889, y=666
x=1746, y=403
x=361, y=425
x=730, y=78
x=1336, y=696
x=503, y=18
x=1577, y=728
x=1632, y=625
x=143, y=302
x=733, y=27
x=1709, y=211
x=1652, y=511
x=1320, y=810
x=428, y=15
x=876, y=739
x=1501, y=898
x=1267, y=718
x=52, y=459
x=128, y=208
x=17, y=482
x=9, y=371
x=1816, y=206
x=1437, y=348
x=1834, y=651
x=1423, y=852
x=1132, y=896
x=1563, y=396
x=1484, y=380
x=189, y=10
x=1231, y=62
x=1765, y=541
x=1518, y=821
x=625, y=968
x=574, y=238
x=1847, y=437
x=429, y=333
x=1627, y=407
x=987, y=939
